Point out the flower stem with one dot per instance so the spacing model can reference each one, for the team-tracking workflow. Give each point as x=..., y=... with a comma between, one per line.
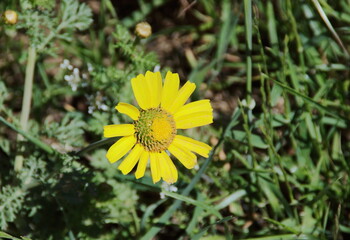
x=27, y=97
x=94, y=145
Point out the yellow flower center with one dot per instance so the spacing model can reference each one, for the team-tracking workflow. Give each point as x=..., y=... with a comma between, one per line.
x=155, y=129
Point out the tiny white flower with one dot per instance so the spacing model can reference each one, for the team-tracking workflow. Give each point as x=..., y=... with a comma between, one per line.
x=91, y=109
x=67, y=78
x=156, y=68
x=167, y=187
x=172, y=188
x=103, y=107
x=64, y=64
x=90, y=67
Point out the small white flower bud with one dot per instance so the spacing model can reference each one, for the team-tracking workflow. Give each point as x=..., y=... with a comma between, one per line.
x=143, y=30
x=10, y=17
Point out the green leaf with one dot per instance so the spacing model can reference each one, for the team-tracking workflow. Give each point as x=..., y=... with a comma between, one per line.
x=196, y=216
x=75, y=15
x=241, y=136
x=311, y=101
x=5, y=235
x=284, y=227
x=231, y=198
x=203, y=231
x=286, y=236
x=193, y=202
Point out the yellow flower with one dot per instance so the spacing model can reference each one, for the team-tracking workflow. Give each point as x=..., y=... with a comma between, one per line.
x=10, y=17
x=154, y=130
x=143, y=30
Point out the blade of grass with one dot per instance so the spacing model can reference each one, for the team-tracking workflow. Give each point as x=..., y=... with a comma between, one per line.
x=286, y=236
x=32, y=139
x=191, y=201
x=195, y=218
x=7, y=236
x=271, y=24
x=248, y=35
x=284, y=227
x=310, y=100
x=200, y=234
x=329, y=26
x=231, y=198
x=149, y=211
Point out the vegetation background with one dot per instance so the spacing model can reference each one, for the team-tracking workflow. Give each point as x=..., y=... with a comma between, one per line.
x=277, y=74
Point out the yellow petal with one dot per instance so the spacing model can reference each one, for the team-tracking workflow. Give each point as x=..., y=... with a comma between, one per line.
x=154, y=83
x=194, y=120
x=193, y=107
x=129, y=110
x=141, y=166
x=168, y=170
x=188, y=159
x=170, y=89
x=130, y=161
x=183, y=95
x=193, y=145
x=155, y=168
x=117, y=130
x=120, y=148
x=141, y=92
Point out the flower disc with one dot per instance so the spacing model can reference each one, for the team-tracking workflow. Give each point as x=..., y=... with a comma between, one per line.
x=155, y=129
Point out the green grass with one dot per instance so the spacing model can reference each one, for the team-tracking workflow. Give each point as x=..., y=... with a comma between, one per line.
x=277, y=74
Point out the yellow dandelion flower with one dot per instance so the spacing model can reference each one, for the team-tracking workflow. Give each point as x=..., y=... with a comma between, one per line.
x=154, y=131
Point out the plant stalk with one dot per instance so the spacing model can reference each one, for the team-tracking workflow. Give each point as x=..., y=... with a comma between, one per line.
x=26, y=102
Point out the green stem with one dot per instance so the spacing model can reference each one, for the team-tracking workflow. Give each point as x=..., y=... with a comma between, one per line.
x=27, y=97
x=248, y=35
x=28, y=88
x=30, y=138
x=94, y=145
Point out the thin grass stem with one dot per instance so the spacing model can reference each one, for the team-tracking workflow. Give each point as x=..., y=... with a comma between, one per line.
x=248, y=35
x=29, y=137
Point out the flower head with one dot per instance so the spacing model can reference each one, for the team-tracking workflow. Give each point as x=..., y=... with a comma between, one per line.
x=143, y=30
x=154, y=131
x=10, y=17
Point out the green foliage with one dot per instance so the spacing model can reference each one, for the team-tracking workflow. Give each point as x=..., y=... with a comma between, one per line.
x=32, y=21
x=132, y=52
x=44, y=26
x=11, y=199
x=74, y=15
x=69, y=131
x=8, y=236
